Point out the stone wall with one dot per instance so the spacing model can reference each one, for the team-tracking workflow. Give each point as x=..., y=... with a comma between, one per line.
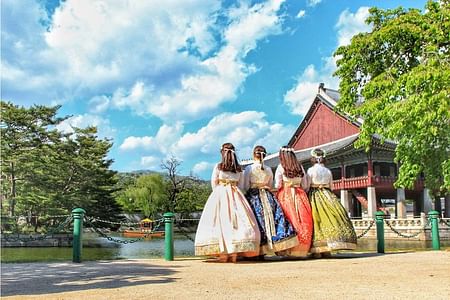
x=417, y=227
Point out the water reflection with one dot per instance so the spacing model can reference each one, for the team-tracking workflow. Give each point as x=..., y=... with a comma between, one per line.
x=96, y=248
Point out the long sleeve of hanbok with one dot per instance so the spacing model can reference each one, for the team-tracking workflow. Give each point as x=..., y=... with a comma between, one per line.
x=246, y=175
x=270, y=179
x=305, y=180
x=241, y=183
x=331, y=180
x=215, y=177
x=279, y=177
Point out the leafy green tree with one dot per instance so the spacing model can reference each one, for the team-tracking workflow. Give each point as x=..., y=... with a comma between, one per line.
x=146, y=195
x=186, y=194
x=193, y=197
x=47, y=172
x=26, y=135
x=402, y=71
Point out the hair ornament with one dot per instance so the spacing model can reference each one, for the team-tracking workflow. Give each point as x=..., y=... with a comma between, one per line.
x=318, y=153
x=287, y=149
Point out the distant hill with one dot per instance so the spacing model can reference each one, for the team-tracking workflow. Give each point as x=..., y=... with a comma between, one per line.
x=137, y=173
x=142, y=172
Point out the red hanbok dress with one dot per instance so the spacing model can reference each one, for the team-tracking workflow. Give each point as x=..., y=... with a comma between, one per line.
x=297, y=209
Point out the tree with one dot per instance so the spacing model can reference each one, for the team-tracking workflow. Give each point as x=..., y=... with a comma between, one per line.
x=402, y=71
x=185, y=193
x=193, y=197
x=25, y=136
x=147, y=194
x=176, y=183
x=49, y=172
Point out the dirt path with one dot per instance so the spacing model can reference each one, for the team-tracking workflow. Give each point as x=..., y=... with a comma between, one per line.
x=417, y=275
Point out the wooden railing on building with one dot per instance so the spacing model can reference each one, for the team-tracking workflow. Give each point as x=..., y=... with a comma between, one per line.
x=364, y=181
x=351, y=183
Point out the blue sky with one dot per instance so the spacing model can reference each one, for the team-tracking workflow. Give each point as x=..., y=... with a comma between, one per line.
x=176, y=77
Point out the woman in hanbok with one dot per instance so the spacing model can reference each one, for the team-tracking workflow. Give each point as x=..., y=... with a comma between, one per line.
x=290, y=179
x=333, y=229
x=227, y=227
x=277, y=233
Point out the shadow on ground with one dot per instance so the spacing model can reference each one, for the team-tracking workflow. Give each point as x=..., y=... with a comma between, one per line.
x=278, y=259
x=47, y=278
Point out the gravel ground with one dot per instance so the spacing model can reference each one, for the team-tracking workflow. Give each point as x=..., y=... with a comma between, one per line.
x=414, y=275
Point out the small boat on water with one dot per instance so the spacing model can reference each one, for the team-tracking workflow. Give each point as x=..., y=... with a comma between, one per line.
x=145, y=230
x=137, y=234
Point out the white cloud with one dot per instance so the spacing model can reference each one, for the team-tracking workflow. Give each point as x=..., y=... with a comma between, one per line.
x=301, y=95
x=151, y=163
x=313, y=2
x=153, y=57
x=202, y=167
x=222, y=74
x=161, y=142
x=82, y=121
x=350, y=24
x=301, y=14
x=245, y=130
x=99, y=104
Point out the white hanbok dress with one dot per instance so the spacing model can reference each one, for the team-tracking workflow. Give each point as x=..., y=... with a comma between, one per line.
x=227, y=224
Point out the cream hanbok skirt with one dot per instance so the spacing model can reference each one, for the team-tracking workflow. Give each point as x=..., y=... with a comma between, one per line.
x=227, y=225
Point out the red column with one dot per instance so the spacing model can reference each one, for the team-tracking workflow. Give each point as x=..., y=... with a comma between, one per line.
x=343, y=176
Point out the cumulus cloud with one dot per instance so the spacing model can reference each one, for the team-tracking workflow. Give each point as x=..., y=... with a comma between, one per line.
x=82, y=121
x=221, y=75
x=98, y=104
x=151, y=163
x=301, y=95
x=350, y=24
x=245, y=130
x=202, y=167
x=313, y=2
x=152, y=57
x=301, y=14
x=161, y=142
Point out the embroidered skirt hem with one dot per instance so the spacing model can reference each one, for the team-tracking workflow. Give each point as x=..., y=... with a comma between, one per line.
x=280, y=245
x=240, y=247
x=333, y=229
x=328, y=246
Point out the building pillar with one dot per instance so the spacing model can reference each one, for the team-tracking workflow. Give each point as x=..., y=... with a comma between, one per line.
x=427, y=201
x=370, y=171
x=447, y=206
x=418, y=204
x=377, y=170
x=371, y=202
x=392, y=171
x=345, y=201
x=401, y=206
x=438, y=205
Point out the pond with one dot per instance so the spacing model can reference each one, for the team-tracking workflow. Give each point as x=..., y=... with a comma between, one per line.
x=96, y=248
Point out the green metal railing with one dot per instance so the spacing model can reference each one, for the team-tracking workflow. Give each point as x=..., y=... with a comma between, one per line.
x=79, y=216
x=433, y=218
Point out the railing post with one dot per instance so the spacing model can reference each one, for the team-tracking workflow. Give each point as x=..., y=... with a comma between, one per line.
x=434, y=215
x=78, y=216
x=168, y=236
x=379, y=217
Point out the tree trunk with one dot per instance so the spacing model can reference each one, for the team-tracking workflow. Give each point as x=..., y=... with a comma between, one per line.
x=12, y=202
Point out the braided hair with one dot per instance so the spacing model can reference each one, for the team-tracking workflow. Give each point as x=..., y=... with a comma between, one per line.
x=229, y=159
x=288, y=160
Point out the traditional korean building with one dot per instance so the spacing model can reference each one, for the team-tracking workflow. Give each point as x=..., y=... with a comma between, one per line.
x=362, y=180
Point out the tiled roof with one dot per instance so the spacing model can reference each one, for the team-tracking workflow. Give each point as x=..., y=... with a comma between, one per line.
x=305, y=154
